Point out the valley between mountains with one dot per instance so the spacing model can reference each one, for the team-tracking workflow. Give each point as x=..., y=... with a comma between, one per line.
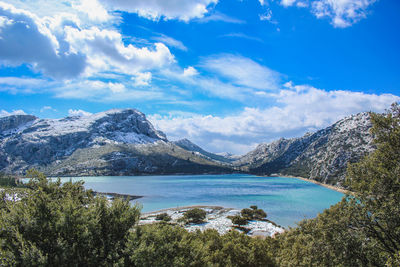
x=124, y=142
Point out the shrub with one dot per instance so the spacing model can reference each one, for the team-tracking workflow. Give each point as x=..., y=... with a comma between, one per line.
x=195, y=215
x=253, y=207
x=239, y=220
x=63, y=225
x=247, y=213
x=259, y=214
x=163, y=217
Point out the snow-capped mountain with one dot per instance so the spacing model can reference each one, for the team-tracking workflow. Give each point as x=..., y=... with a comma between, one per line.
x=113, y=142
x=124, y=142
x=321, y=156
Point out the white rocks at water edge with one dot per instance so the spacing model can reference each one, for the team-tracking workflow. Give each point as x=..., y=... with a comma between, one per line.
x=217, y=218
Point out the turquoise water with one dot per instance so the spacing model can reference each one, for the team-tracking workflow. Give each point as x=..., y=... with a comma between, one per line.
x=286, y=200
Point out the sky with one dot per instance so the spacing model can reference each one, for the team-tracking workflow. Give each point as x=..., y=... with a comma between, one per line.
x=226, y=74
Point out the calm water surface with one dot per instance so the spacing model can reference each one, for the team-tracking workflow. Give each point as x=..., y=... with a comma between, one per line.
x=286, y=200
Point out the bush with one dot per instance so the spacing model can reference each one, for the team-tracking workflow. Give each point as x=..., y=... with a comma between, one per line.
x=8, y=181
x=63, y=225
x=163, y=217
x=195, y=215
x=259, y=214
x=254, y=213
x=253, y=207
x=239, y=220
x=247, y=213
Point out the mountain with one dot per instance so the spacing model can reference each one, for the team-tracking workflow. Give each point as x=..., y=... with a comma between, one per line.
x=321, y=156
x=115, y=142
x=124, y=142
x=190, y=146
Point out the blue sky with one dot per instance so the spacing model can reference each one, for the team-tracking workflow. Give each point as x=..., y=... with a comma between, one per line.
x=226, y=74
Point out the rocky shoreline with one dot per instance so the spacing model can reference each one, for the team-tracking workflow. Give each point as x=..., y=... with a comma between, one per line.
x=216, y=218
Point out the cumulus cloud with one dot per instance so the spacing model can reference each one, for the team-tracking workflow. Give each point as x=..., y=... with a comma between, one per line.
x=298, y=109
x=142, y=79
x=78, y=112
x=25, y=38
x=343, y=13
x=184, y=10
x=65, y=45
x=4, y=113
x=190, y=71
x=107, y=52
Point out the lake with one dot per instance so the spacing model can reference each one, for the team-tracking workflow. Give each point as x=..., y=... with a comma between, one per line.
x=286, y=200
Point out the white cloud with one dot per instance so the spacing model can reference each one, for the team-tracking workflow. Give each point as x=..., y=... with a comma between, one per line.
x=99, y=91
x=170, y=42
x=93, y=9
x=184, y=10
x=190, y=71
x=298, y=109
x=242, y=35
x=47, y=108
x=242, y=71
x=65, y=45
x=267, y=16
x=343, y=13
x=25, y=38
x=142, y=79
x=78, y=112
x=106, y=51
x=217, y=16
x=4, y=113
x=287, y=3
x=18, y=81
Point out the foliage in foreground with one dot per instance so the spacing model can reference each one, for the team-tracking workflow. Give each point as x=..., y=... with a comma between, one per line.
x=65, y=225
x=364, y=228
x=9, y=181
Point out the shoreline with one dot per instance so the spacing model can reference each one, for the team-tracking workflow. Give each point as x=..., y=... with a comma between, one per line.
x=217, y=218
x=332, y=187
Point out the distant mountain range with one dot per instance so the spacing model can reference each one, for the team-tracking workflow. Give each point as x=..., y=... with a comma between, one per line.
x=124, y=142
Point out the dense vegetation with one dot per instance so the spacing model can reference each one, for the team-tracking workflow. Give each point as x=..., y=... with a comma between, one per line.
x=9, y=181
x=65, y=225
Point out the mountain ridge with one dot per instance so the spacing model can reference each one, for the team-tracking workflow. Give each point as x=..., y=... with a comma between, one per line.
x=124, y=142
x=320, y=156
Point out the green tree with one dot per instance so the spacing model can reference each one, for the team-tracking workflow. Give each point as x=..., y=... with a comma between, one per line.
x=376, y=183
x=63, y=225
x=364, y=228
x=248, y=214
x=195, y=215
x=163, y=217
x=239, y=220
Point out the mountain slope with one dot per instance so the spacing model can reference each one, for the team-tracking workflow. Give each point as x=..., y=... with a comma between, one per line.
x=190, y=146
x=321, y=156
x=115, y=142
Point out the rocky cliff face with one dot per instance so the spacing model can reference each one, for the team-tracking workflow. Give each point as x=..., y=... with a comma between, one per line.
x=114, y=142
x=322, y=156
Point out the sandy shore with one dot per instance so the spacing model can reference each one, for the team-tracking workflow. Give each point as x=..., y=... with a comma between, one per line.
x=338, y=189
